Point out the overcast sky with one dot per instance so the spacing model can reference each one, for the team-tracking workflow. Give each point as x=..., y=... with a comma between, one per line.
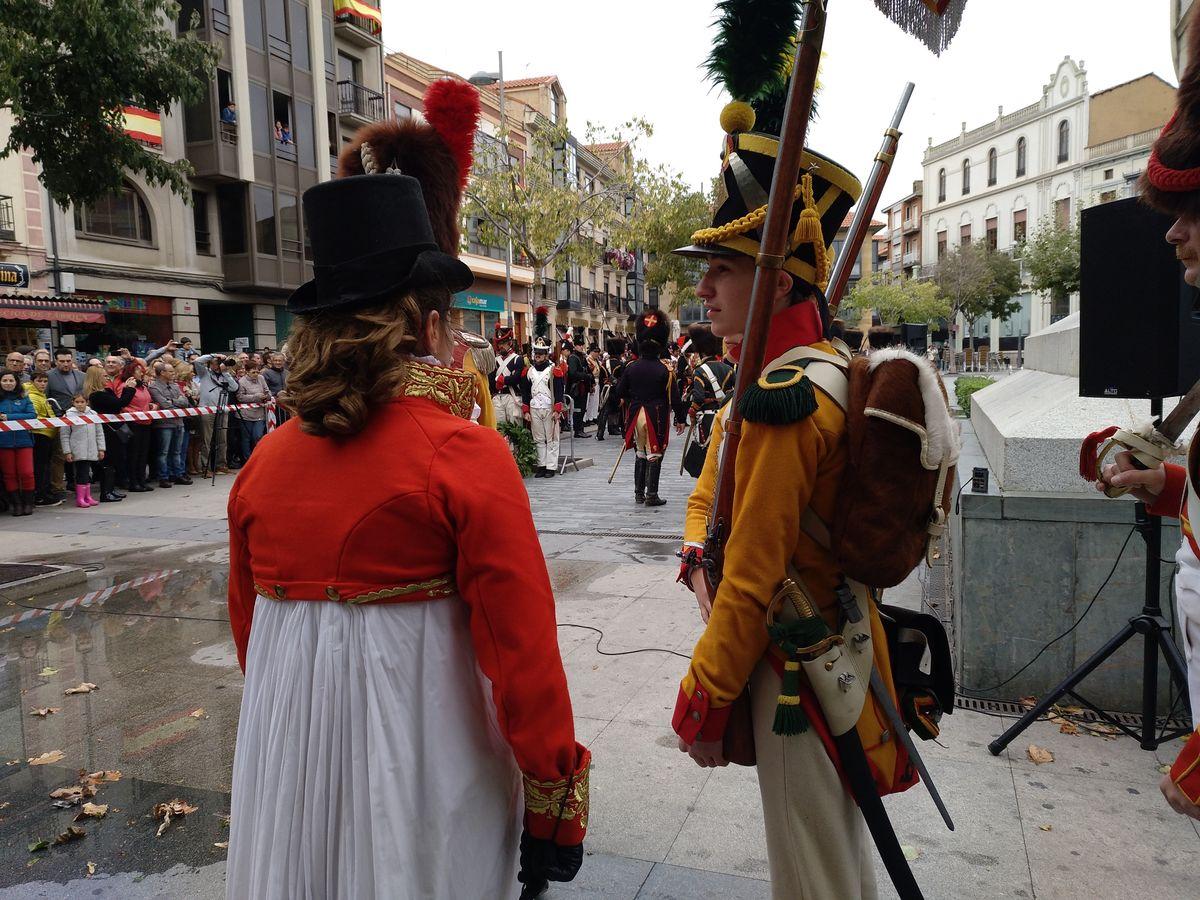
x=644, y=58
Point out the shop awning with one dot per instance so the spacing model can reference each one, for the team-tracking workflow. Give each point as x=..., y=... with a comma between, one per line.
x=50, y=308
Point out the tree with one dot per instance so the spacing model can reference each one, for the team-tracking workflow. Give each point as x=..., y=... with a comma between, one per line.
x=67, y=69
x=978, y=282
x=1051, y=257
x=896, y=300
x=552, y=214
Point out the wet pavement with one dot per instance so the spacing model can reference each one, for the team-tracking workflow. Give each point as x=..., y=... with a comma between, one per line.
x=149, y=630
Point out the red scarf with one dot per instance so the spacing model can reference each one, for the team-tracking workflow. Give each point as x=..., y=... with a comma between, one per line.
x=796, y=326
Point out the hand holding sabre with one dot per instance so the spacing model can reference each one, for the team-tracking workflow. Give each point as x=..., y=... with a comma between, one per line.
x=1130, y=477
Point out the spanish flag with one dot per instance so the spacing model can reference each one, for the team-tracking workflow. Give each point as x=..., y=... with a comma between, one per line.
x=143, y=125
x=361, y=10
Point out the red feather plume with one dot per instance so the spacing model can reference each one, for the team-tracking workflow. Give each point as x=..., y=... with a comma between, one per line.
x=452, y=108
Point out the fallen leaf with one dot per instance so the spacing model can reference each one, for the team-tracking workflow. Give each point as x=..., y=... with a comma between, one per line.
x=91, y=867
x=47, y=672
x=94, y=778
x=13, y=762
x=38, y=845
x=72, y=795
x=222, y=845
x=45, y=711
x=171, y=809
x=911, y=853
x=1068, y=727
x=199, y=714
x=50, y=756
x=8, y=629
x=1039, y=755
x=73, y=833
x=92, y=811
x=1046, y=827
x=5, y=805
x=1028, y=702
x=1164, y=769
x=84, y=687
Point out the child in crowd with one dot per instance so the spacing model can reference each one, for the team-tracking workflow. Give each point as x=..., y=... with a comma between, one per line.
x=82, y=445
x=16, y=447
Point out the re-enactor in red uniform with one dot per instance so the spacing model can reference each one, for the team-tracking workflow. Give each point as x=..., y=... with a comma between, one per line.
x=405, y=728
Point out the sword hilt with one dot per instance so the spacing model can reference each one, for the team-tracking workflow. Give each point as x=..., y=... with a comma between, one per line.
x=1146, y=452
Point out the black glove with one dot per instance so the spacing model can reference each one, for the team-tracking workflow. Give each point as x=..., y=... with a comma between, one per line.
x=543, y=861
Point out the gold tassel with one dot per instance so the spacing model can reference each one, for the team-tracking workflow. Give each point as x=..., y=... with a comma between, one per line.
x=809, y=231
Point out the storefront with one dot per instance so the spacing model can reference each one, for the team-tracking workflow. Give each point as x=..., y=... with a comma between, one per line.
x=31, y=320
x=138, y=322
x=477, y=311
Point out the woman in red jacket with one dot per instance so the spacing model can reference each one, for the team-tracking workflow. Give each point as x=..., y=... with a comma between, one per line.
x=404, y=688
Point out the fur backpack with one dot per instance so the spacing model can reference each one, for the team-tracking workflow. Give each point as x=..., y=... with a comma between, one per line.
x=903, y=453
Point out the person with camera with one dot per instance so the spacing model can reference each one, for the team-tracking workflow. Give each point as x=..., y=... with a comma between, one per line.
x=1171, y=184
x=169, y=432
x=214, y=375
x=405, y=697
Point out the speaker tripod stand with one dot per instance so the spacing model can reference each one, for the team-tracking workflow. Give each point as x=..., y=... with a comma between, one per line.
x=1156, y=637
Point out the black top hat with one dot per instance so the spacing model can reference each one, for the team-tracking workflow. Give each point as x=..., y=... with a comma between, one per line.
x=371, y=239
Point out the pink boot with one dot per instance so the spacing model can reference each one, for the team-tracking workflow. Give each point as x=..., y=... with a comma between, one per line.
x=80, y=497
x=87, y=495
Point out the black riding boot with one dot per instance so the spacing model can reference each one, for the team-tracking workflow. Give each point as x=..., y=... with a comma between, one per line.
x=652, y=473
x=639, y=480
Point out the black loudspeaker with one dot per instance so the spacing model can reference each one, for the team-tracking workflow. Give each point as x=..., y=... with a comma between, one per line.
x=1139, y=322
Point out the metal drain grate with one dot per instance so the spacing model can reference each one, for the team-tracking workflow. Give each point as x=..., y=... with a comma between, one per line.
x=1016, y=710
x=631, y=535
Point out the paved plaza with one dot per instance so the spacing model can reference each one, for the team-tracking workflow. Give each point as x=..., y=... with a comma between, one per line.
x=1089, y=824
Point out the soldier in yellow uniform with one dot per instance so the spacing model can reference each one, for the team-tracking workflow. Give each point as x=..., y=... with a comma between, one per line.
x=791, y=457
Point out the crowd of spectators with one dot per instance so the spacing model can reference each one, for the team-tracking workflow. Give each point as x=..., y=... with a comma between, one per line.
x=38, y=466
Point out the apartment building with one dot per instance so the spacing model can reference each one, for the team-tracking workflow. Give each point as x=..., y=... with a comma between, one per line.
x=902, y=233
x=295, y=79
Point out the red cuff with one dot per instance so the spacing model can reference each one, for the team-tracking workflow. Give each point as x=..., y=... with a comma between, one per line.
x=1186, y=771
x=525, y=408
x=695, y=721
x=558, y=810
x=692, y=557
x=558, y=407
x=1170, y=500
x=499, y=382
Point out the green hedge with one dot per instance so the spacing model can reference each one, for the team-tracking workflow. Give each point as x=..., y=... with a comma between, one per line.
x=521, y=443
x=965, y=386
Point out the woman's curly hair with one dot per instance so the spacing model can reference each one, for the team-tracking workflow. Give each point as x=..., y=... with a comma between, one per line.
x=345, y=362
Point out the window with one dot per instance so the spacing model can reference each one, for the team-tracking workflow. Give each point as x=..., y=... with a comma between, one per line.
x=231, y=207
x=1019, y=226
x=277, y=29
x=200, y=221
x=304, y=136
x=191, y=15
x=198, y=118
x=941, y=245
x=991, y=167
x=1108, y=174
x=289, y=225
x=1021, y=157
x=300, y=55
x=333, y=136
x=1108, y=196
x=260, y=117
x=991, y=229
x=405, y=112
x=1062, y=213
x=282, y=132
x=264, y=220
x=1064, y=141
x=964, y=235
x=349, y=68
x=327, y=39
x=122, y=215
x=255, y=36
x=966, y=176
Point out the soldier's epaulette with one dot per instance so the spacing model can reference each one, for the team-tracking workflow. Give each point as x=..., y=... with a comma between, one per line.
x=780, y=397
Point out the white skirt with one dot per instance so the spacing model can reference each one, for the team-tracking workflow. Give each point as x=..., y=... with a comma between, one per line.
x=368, y=761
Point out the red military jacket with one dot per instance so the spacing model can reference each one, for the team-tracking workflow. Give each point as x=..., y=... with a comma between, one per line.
x=405, y=512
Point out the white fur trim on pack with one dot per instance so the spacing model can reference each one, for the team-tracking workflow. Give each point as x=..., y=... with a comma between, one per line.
x=940, y=445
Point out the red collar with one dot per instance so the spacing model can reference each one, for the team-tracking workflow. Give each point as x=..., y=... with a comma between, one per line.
x=796, y=326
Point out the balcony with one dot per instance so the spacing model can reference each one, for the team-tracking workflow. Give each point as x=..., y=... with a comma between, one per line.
x=911, y=259
x=358, y=103
x=8, y=228
x=356, y=29
x=911, y=225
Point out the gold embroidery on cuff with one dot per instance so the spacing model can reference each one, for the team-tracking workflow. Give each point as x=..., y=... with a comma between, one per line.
x=544, y=798
x=450, y=388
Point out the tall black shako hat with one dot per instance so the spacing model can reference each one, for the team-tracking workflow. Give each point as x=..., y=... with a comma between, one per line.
x=752, y=60
x=389, y=223
x=652, y=331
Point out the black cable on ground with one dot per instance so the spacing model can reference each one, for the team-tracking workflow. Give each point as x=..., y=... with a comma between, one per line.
x=620, y=652
x=986, y=690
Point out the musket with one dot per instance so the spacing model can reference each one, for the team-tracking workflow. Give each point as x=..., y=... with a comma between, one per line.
x=840, y=276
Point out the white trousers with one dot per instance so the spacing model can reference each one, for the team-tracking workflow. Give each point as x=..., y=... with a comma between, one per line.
x=545, y=437
x=508, y=408
x=817, y=843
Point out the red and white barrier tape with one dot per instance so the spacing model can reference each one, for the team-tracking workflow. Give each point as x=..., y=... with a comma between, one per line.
x=139, y=417
x=92, y=597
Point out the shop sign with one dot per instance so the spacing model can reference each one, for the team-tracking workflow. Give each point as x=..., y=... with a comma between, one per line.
x=479, y=301
x=128, y=304
x=239, y=345
x=14, y=275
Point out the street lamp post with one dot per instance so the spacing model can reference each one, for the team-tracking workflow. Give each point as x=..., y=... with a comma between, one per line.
x=483, y=78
